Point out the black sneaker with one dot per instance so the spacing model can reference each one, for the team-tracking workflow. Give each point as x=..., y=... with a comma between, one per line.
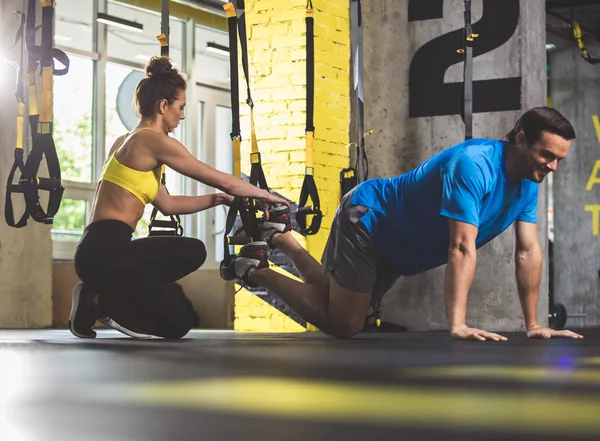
x=279, y=222
x=251, y=257
x=83, y=313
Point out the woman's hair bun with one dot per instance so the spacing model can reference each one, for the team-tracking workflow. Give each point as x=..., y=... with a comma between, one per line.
x=159, y=67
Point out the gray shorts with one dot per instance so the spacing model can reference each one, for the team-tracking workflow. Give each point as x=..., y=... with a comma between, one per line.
x=351, y=254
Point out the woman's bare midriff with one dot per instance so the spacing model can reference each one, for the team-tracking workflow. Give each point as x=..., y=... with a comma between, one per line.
x=114, y=203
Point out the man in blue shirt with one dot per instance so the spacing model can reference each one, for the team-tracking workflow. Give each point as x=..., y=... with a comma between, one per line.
x=437, y=214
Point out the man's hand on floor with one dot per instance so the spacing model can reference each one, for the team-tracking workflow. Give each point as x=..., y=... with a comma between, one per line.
x=541, y=332
x=463, y=332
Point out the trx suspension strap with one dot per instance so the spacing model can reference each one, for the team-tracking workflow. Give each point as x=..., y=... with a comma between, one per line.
x=584, y=52
x=467, y=50
x=40, y=124
x=351, y=176
x=173, y=226
x=247, y=212
x=309, y=187
x=257, y=176
x=18, y=164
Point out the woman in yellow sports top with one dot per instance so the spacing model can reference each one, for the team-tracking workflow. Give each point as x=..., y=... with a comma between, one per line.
x=130, y=284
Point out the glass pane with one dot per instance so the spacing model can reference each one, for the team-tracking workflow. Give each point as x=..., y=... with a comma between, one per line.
x=70, y=220
x=224, y=151
x=136, y=46
x=121, y=116
x=212, y=66
x=74, y=24
x=223, y=162
x=73, y=120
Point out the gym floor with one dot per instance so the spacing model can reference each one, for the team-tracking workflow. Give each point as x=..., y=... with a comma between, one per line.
x=223, y=385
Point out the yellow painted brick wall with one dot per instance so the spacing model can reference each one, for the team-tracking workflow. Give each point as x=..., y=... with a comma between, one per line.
x=277, y=57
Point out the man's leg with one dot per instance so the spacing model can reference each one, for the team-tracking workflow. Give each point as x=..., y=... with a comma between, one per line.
x=336, y=311
x=336, y=302
x=311, y=271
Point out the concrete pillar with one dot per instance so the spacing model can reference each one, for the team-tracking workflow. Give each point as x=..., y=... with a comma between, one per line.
x=26, y=253
x=410, y=64
x=576, y=188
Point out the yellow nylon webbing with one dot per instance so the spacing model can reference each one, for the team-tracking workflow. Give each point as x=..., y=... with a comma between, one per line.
x=33, y=105
x=46, y=108
x=578, y=37
x=309, y=150
x=237, y=158
x=229, y=10
x=20, y=116
x=310, y=13
x=253, y=132
x=162, y=38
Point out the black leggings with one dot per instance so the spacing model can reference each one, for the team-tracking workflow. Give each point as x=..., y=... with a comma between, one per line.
x=135, y=278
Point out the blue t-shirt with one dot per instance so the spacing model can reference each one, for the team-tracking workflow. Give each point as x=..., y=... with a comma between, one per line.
x=408, y=216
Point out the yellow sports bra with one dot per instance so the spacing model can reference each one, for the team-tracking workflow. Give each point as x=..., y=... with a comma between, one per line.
x=143, y=185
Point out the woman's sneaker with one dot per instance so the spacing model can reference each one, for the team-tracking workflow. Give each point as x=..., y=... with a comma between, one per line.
x=84, y=313
x=129, y=330
x=251, y=257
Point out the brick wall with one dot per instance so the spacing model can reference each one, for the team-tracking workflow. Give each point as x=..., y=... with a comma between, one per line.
x=277, y=57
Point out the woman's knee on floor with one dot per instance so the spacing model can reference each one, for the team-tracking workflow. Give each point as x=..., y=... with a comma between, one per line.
x=182, y=316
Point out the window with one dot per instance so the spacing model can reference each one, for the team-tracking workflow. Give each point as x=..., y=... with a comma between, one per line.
x=139, y=47
x=93, y=104
x=70, y=220
x=73, y=109
x=74, y=24
x=212, y=66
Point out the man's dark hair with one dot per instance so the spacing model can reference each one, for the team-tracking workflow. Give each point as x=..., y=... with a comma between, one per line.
x=538, y=120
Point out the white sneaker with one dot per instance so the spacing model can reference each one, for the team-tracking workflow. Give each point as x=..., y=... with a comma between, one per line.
x=107, y=321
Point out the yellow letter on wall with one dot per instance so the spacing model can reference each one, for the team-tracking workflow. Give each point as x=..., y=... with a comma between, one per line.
x=595, y=209
x=594, y=178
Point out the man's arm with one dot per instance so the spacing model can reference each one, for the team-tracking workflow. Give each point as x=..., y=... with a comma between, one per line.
x=528, y=270
x=460, y=270
x=462, y=260
x=528, y=273
x=170, y=205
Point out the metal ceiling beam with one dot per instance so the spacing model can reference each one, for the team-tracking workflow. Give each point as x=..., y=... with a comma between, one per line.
x=214, y=6
x=207, y=15
x=557, y=4
x=570, y=23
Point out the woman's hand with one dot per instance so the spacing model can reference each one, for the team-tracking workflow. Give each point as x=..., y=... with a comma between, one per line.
x=268, y=200
x=224, y=199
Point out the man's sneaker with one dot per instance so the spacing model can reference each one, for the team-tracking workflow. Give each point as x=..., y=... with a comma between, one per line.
x=129, y=331
x=251, y=257
x=279, y=222
x=83, y=312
